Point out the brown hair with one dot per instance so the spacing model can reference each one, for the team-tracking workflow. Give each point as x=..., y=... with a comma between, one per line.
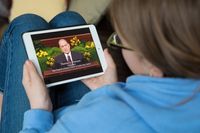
x=165, y=32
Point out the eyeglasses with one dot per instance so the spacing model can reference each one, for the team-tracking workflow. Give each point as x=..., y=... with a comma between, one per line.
x=115, y=42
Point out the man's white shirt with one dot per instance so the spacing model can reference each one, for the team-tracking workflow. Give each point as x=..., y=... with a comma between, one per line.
x=70, y=56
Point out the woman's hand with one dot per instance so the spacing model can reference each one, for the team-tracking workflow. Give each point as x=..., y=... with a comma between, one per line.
x=35, y=88
x=109, y=77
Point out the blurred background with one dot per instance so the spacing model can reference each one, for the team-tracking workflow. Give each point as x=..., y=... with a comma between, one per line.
x=5, y=7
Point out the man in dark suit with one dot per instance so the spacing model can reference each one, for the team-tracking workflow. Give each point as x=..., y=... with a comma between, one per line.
x=67, y=58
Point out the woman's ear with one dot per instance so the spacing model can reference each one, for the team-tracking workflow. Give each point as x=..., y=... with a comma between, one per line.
x=151, y=70
x=155, y=72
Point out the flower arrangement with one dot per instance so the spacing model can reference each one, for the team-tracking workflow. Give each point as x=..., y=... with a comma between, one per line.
x=89, y=45
x=44, y=56
x=75, y=41
x=50, y=61
x=41, y=53
x=87, y=55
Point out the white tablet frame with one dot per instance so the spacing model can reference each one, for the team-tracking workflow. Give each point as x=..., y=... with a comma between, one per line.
x=29, y=46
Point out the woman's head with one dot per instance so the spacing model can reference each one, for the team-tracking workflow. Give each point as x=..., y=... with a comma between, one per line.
x=164, y=32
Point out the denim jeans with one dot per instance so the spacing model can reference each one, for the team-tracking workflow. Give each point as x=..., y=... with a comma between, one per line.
x=12, y=58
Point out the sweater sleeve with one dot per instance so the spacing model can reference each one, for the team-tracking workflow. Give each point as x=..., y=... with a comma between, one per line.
x=37, y=121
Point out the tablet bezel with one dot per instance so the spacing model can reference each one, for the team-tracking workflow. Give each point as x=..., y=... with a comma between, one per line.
x=29, y=46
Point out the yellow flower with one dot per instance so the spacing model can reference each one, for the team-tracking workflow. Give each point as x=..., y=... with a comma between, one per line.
x=51, y=63
x=37, y=54
x=41, y=53
x=45, y=53
x=92, y=45
x=88, y=59
x=72, y=41
x=47, y=62
x=52, y=59
x=87, y=55
x=89, y=45
x=75, y=41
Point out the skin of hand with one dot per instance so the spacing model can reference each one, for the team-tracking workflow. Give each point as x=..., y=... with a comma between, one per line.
x=109, y=77
x=35, y=88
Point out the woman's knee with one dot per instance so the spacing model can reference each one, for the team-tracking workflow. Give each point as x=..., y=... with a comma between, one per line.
x=27, y=22
x=29, y=19
x=68, y=18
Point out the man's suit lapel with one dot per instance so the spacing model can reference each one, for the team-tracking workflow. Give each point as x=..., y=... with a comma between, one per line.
x=63, y=58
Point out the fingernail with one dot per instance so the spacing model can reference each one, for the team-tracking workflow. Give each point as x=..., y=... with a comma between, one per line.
x=28, y=62
x=107, y=50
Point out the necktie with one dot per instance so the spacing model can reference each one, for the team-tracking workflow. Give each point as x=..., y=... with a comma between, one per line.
x=68, y=58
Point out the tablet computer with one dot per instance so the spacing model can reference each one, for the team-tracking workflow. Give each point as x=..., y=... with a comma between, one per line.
x=66, y=54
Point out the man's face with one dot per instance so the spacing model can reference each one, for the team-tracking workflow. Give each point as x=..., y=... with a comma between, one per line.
x=64, y=46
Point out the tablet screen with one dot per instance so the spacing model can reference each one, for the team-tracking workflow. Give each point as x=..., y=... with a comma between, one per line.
x=64, y=55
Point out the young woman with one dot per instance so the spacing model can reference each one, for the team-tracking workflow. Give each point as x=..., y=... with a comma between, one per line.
x=160, y=43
